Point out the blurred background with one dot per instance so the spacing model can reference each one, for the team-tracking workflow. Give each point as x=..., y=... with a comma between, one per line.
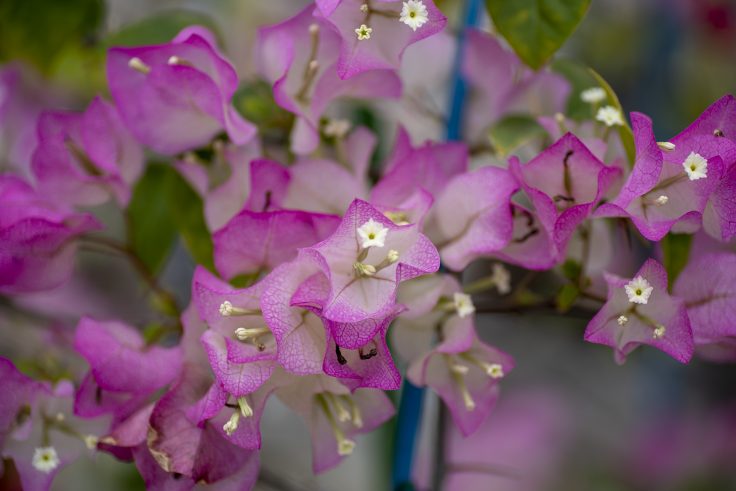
x=569, y=418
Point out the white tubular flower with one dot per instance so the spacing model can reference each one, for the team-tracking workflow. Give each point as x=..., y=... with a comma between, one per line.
x=363, y=32
x=666, y=146
x=463, y=304
x=501, y=278
x=337, y=128
x=662, y=200
x=622, y=320
x=639, y=290
x=372, y=234
x=45, y=459
x=610, y=116
x=414, y=14
x=659, y=331
x=593, y=95
x=696, y=166
x=138, y=65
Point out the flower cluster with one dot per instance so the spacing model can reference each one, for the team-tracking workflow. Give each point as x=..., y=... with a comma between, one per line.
x=326, y=280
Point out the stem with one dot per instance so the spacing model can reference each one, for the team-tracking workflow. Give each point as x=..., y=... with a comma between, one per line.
x=164, y=295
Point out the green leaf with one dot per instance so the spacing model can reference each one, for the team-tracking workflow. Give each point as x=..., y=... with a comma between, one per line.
x=571, y=270
x=160, y=28
x=513, y=131
x=566, y=297
x=39, y=30
x=163, y=207
x=536, y=28
x=187, y=212
x=627, y=136
x=675, y=253
x=151, y=233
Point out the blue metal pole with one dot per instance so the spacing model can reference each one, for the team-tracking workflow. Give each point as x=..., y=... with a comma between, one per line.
x=412, y=397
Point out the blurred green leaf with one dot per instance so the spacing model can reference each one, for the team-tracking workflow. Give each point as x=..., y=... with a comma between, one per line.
x=566, y=297
x=571, y=270
x=159, y=28
x=536, y=28
x=513, y=131
x=152, y=232
x=627, y=136
x=675, y=254
x=37, y=31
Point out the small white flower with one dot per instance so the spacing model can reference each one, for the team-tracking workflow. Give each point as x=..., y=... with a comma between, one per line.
x=501, y=278
x=45, y=459
x=463, y=304
x=662, y=200
x=639, y=290
x=622, y=320
x=363, y=32
x=414, y=14
x=696, y=166
x=495, y=370
x=610, y=116
x=593, y=95
x=372, y=234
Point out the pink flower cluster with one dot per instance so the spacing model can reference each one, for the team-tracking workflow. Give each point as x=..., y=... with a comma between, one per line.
x=345, y=273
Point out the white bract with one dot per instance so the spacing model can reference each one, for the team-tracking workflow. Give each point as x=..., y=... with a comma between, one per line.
x=639, y=290
x=414, y=14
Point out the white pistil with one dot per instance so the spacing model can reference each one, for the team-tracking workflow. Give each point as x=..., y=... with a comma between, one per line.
x=501, y=278
x=638, y=290
x=45, y=459
x=137, y=64
x=363, y=32
x=666, y=146
x=414, y=14
x=696, y=166
x=227, y=309
x=610, y=116
x=372, y=234
x=661, y=200
x=364, y=270
x=659, y=331
x=246, y=333
x=232, y=424
x=593, y=95
x=91, y=441
x=245, y=408
x=337, y=128
x=398, y=217
x=622, y=320
x=463, y=304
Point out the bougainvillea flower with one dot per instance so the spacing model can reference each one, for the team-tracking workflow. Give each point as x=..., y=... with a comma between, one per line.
x=260, y=241
x=335, y=415
x=719, y=216
x=38, y=429
x=374, y=35
x=564, y=183
x=359, y=363
x=176, y=96
x=665, y=189
x=641, y=311
x=83, y=159
x=708, y=286
x=240, y=347
x=299, y=56
x=428, y=167
x=365, y=260
x=124, y=372
x=37, y=245
x=472, y=216
x=531, y=245
x=464, y=372
x=323, y=186
x=500, y=84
